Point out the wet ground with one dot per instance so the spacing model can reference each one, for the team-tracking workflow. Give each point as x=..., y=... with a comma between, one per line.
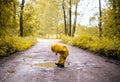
x=37, y=65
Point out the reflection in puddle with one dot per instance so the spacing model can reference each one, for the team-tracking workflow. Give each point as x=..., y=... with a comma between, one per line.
x=47, y=64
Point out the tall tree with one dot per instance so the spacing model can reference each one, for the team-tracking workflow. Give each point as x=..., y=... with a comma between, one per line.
x=64, y=12
x=75, y=19
x=68, y=14
x=100, y=21
x=70, y=18
x=21, y=18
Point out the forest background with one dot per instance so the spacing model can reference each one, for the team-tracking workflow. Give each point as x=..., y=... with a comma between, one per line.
x=21, y=22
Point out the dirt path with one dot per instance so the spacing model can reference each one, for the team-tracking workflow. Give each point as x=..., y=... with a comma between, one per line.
x=37, y=65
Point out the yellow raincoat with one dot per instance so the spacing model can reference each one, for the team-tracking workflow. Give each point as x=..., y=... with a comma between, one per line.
x=62, y=50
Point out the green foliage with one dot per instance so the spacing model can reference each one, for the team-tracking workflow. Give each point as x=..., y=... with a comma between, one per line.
x=13, y=44
x=67, y=39
x=82, y=40
x=111, y=25
x=111, y=19
x=103, y=46
x=8, y=23
x=9, y=41
x=48, y=15
x=89, y=30
x=30, y=20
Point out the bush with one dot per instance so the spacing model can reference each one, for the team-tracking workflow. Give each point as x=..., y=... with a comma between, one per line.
x=67, y=39
x=81, y=41
x=11, y=44
x=103, y=46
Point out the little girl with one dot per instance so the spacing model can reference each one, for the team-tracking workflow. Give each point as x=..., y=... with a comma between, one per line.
x=63, y=51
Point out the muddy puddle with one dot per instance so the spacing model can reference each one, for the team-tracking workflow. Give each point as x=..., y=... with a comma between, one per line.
x=10, y=71
x=47, y=64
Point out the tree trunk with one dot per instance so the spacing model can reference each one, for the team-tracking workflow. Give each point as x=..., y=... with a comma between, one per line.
x=21, y=18
x=75, y=20
x=100, y=21
x=65, y=24
x=70, y=20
